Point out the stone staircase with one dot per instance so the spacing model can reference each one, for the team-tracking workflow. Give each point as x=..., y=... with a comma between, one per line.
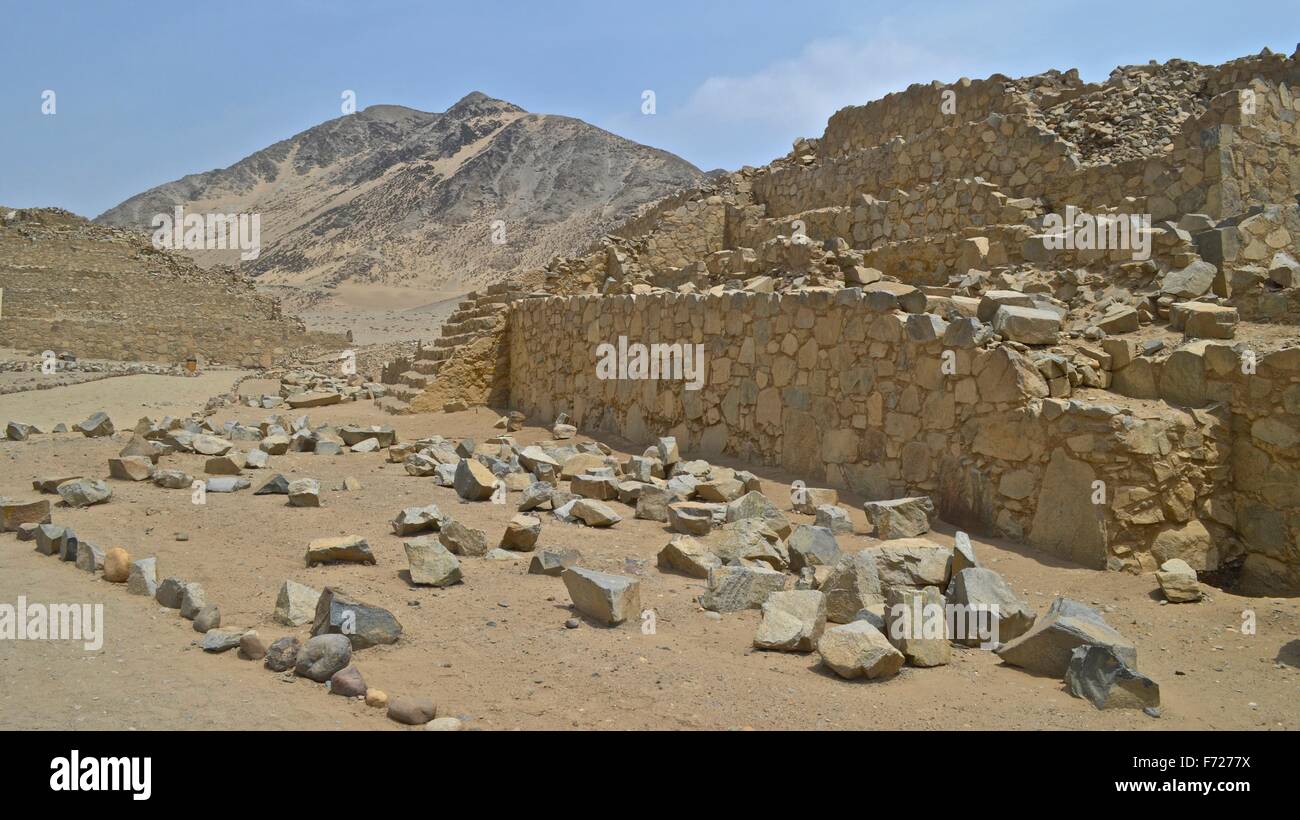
x=479, y=314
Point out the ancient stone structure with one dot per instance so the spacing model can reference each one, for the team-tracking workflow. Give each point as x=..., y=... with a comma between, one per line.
x=1065, y=311
x=109, y=294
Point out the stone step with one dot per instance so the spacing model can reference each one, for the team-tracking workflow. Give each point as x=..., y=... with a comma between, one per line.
x=413, y=378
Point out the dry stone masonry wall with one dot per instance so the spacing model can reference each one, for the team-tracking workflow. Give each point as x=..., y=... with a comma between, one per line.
x=1066, y=311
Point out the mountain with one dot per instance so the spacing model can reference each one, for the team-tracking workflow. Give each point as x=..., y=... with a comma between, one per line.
x=366, y=207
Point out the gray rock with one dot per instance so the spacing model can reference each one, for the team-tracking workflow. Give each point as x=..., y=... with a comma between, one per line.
x=1047, y=647
x=653, y=502
x=320, y=657
x=899, y=518
x=143, y=577
x=295, y=604
x=853, y=584
x=227, y=484
x=812, y=546
x=364, y=625
x=84, y=492
x=522, y=533
x=733, y=588
x=751, y=539
x=792, y=621
x=463, y=540
x=594, y=514
x=173, y=479
x=912, y=562
x=208, y=618
x=916, y=625
x=50, y=538
x=858, y=649
x=604, y=597
x=1102, y=676
x=474, y=481
x=170, y=593
x=686, y=555
x=553, y=562
x=834, y=518
x=221, y=640
x=97, y=426
x=277, y=485
x=978, y=588
x=430, y=563
x=90, y=558
x=690, y=518
x=756, y=505
x=193, y=599
x=304, y=492
x=414, y=520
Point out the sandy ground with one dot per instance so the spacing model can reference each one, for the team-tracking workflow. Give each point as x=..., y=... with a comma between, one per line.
x=494, y=649
x=379, y=315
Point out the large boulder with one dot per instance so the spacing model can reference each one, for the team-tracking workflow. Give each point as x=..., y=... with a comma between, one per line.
x=812, y=546
x=474, y=481
x=900, y=517
x=430, y=563
x=97, y=426
x=594, y=513
x=320, y=657
x=732, y=588
x=522, y=533
x=463, y=540
x=296, y=603
x=751, y=539
x=912, y=562
x=756, y=505
x=690, y=517
x=853, y=585
x=1178, y=582
x=858, y=649
x=990, y=603
x=1047, y=647
x=916, y=624
x=84, y=492
x=792, y=621
x=1102, y=676
x=1026, y=325
x=363, y=624
x=604, y=597
x=689, y=557
x=414, y=520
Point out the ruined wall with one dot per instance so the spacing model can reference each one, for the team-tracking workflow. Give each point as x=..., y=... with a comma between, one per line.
x=822, y=386
x=1009, y=151
x=216, y=341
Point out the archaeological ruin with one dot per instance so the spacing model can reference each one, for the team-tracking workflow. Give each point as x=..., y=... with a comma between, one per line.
x=1065, y=311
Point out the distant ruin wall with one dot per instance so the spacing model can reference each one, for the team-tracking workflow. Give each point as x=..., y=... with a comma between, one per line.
x=249, y=344
x=833, y=392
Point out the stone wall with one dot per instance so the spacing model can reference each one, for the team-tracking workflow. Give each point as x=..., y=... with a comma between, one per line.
x=822, y=386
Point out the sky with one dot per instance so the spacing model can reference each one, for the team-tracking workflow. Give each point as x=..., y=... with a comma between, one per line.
x=147, y=92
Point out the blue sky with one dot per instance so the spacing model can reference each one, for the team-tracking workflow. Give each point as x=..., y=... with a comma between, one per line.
x=148, y=92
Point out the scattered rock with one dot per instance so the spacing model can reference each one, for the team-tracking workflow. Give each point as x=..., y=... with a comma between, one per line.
x=320, y=657
x=602, y=596
x=858, y=649
x=792, y=621
x=431, y=563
